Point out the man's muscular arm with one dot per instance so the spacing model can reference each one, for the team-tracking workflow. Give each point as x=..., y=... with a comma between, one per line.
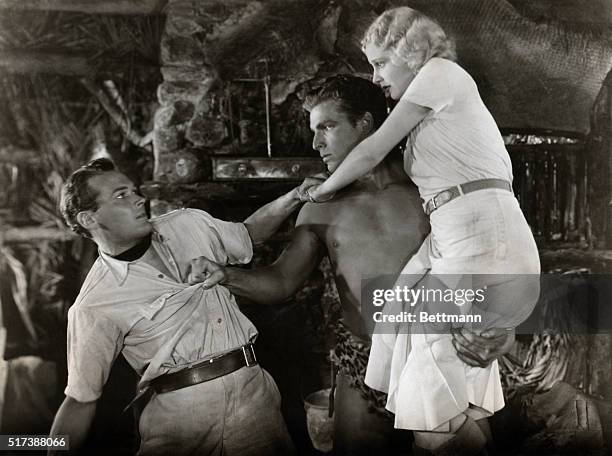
x=267, y=285
x=266, y=220
x=74, y=419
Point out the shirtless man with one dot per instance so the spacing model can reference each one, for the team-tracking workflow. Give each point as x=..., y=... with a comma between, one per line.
x=366, y=230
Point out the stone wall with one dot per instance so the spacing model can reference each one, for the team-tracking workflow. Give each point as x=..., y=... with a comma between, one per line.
x=531, y=74
x=216, y=60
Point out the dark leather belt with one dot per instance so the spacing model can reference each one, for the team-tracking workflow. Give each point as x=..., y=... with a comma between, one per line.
x=453, y=192
x=202, y=372
x=207, y=370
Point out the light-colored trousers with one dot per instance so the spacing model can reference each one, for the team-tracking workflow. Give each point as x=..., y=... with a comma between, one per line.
x=237, y=414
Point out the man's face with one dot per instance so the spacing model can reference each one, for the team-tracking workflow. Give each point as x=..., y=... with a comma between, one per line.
x=394, y=79
x=334, y=134
x=121, y=215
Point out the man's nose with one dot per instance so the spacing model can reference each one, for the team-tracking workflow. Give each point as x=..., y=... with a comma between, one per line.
x=376, y=79
x=317, y=142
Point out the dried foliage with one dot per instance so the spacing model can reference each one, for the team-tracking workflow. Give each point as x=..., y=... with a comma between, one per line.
x=121, y=37
x=59, y=119
x=19, y=289
x=61, y=134
x=279, y=32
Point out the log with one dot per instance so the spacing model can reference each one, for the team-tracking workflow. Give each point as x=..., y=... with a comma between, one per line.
x=25, y=62
x=128, y=7
x=24, y=234
x=37, y=62
x=216, y=191
x=18, y=156
x=564, y=257
x=125, y=7
x=265, y=169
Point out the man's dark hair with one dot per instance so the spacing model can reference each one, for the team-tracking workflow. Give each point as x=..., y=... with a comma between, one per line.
x=355, y=96
x=78, y=196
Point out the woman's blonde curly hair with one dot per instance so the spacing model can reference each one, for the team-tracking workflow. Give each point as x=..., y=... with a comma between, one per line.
x=412, y=37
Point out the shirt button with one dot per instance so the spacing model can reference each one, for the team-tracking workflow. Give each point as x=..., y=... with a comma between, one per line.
x=219, y=320
x=161, y=276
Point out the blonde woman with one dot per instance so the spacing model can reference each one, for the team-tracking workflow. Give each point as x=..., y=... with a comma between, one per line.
x=479, y=236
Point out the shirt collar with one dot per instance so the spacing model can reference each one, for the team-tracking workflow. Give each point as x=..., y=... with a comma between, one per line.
x=120, y=268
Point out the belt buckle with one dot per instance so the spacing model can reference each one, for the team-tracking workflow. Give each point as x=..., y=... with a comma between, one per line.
x=249, y=355
x=434, y=205
x=445, y=196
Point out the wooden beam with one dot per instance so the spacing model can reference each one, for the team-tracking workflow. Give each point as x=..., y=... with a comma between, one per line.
x=16, y=155
x=127, y=7
x=265, y=169
x=216, y=191
x=25, y=62
x=38, y=62
x=26, y=234
x=570, y=258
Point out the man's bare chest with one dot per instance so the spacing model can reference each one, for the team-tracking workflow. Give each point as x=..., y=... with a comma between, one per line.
x=372, y=235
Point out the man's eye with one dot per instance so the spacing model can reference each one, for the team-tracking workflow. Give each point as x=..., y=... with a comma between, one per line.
x=379, y=64
x=122, y=195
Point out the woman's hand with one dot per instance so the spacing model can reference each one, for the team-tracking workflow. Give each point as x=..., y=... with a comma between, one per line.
x=311, y=192
x=310, y=186
x=308, y=182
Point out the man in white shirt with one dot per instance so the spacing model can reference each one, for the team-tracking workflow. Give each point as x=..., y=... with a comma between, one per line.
x=191, y=346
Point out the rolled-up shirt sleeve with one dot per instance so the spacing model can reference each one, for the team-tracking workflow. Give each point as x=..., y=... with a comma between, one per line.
x=94, y=342
x=233, y=237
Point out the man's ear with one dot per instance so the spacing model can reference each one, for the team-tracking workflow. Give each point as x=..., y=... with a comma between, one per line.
x=85, y=219
x=366, y=123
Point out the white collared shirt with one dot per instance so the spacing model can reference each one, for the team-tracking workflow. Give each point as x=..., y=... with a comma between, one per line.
x=159, y=323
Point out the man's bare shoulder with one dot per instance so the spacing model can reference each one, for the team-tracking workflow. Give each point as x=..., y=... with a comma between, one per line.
x=313, y=213
x=399, y=199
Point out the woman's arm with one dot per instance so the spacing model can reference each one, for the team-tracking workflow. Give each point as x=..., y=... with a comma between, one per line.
x=373, y=149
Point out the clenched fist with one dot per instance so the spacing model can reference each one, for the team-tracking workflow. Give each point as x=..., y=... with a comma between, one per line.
x=202, y=270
